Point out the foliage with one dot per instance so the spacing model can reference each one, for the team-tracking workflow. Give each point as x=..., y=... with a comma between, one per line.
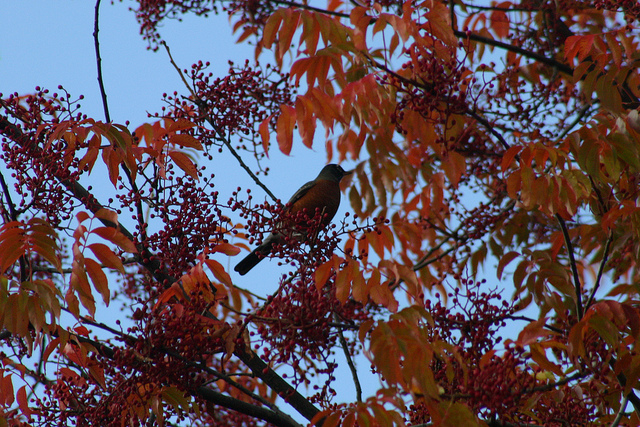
x=496, y=189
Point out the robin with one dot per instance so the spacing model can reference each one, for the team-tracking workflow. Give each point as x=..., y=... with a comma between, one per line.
x=320, y=195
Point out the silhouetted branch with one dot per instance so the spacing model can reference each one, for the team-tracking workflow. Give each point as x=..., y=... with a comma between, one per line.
x=96, y=42
x=574, y=266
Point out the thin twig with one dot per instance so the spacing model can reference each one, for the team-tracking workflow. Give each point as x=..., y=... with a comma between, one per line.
x=574, y=266
x=221, y=136
x=511, y=48
x=605, y=257
x=352, y=366
x=99, y=62
x=528, y=319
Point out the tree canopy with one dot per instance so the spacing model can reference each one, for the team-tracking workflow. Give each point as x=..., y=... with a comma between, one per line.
x=486, y=272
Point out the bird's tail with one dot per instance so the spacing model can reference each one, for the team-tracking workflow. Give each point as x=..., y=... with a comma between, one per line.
x=251, y=260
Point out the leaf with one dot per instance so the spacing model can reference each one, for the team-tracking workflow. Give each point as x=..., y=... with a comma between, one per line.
x=11, y=243
x=615, y=47
x=322, y=274
x=271, y=27
x=500, y=23
x=107, y=215
x=115, y=236
x=360, y=288
x=504, y=261
x=98, y=278
x=219, y=272
x=23, y=401
x=226, y=248
x=539, y=356
x=79, y=282
x=184, y=162
x=186, y=140
x=508, y=156
x=578, y=46
x=263, y=130
x=344, y=277
x=285, y=124
x=106, y=256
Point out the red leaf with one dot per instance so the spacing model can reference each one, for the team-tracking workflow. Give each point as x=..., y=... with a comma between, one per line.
x=578, y=45
x=500, y=23
x=23, y=401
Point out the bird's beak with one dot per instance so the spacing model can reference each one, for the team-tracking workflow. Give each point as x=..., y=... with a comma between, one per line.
x=349, y=172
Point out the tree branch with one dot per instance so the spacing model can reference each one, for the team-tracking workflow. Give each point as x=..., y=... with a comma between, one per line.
x=506, y=46
x=574, y=266
x=221, y=137
x=352, y=366
x=103, y=93
x=605, y=257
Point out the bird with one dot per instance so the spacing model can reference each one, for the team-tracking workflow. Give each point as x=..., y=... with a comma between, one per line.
x=322, y=194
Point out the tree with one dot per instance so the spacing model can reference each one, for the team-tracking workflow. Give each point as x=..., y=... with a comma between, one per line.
x=496, y=190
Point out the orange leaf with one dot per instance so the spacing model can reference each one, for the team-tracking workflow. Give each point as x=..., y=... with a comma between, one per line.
x=360, y=288
x=184, y=162
x=114, y=236
x=98, y=278
x=173, y=292
x=508, y=156
x=226, y=248
x=108, y=215
x=344, y=278
x=271, y=27
x=106, y=256
x=263, y=130
x=323, y=273
x=186, y=140
x=285, y=125
x=218, y=270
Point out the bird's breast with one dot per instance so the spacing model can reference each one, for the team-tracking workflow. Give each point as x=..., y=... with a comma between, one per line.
x=323, y=196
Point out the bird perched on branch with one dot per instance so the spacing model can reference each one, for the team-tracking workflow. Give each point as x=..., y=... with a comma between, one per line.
x=322, y=195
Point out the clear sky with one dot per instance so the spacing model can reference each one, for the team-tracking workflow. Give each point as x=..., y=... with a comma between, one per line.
x=49, y=43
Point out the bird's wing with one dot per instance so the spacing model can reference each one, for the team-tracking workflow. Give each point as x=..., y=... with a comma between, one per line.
x=301, y=192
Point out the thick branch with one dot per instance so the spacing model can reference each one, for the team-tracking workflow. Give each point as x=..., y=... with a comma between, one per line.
x=220, y=399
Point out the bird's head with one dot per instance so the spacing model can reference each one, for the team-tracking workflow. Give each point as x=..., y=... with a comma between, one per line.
x=333, y=172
